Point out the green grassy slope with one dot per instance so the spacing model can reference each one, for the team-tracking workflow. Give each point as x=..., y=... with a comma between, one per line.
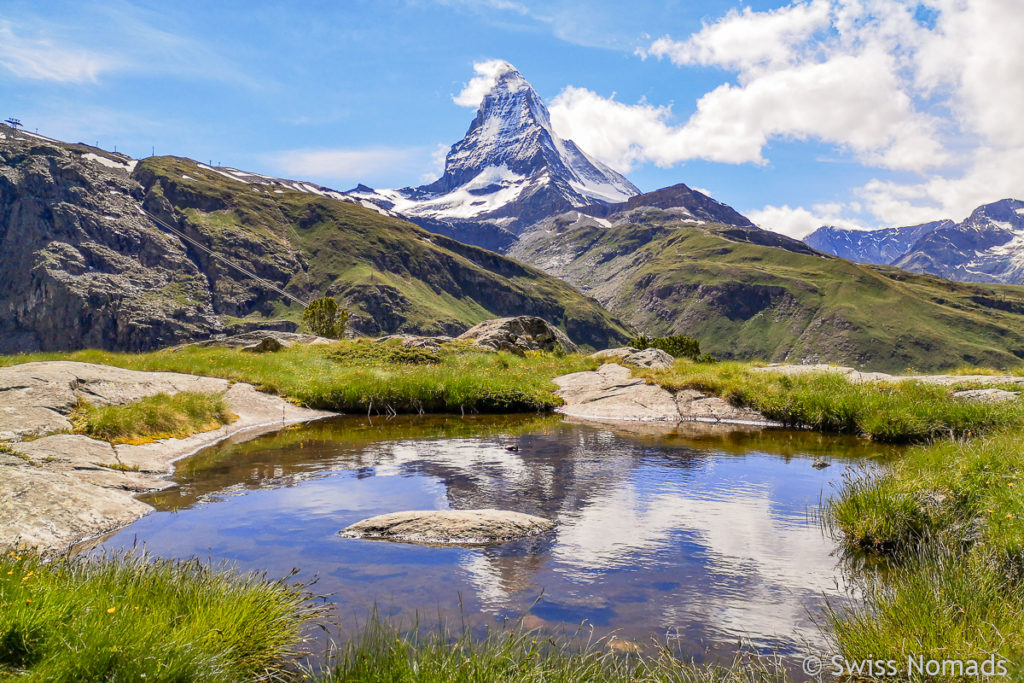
x=754, y=295
x=391, y=274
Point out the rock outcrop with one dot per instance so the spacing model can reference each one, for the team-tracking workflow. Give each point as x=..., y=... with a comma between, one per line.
x=612, y=393
x=449, y=527
x=60, y=489
x=519, y=334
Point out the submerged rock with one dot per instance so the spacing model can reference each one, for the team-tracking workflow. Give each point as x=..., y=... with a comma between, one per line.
x=449, y=527
x=648, y=358
x=522, y=333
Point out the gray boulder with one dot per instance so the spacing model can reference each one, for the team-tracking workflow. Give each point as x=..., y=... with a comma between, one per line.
x=648, y=358
x=449, y=527
x=519, y=334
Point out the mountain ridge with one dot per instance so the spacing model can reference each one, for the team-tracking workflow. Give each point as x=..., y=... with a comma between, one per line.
x=747, y=294
x=987, y=246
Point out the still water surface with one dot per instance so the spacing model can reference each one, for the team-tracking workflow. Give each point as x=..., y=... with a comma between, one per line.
x=696, y=536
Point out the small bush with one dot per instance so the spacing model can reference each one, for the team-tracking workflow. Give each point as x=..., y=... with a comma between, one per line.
x=678, y=346
x=323, y=318
x=159, y=416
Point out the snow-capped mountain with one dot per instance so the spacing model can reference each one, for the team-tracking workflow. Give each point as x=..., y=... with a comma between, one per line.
x=509, y=171
x=871, y=246
x=986, y=247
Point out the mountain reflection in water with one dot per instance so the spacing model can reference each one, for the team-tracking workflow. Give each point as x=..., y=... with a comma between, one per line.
x=701, y=535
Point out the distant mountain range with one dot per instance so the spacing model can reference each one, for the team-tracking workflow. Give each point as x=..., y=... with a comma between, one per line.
x=986, y=247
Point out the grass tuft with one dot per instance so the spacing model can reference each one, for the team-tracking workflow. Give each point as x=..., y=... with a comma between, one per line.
x=889, y=412
x=160, y=416
x=384, y=652
x=134, y=617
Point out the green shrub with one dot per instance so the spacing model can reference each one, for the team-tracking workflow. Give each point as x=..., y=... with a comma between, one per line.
x=323, y=318
x=678, y=346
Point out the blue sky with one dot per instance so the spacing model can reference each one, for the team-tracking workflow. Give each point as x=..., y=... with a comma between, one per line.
x=856, y=112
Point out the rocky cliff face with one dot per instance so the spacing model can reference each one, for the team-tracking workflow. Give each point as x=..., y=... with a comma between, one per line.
x=509, y=171
x=83, y=266
x=80, y=266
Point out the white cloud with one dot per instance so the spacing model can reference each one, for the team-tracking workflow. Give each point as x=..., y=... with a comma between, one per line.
x=745, y=40
x=472, y=93
x=828, y=71
x=940, y=100
x=42, y=59
x=799, y=222
x=437, y=159
x=343, y=164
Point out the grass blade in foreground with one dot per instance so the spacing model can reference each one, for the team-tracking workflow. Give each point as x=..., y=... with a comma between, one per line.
x=134, y=617
x=384, y=652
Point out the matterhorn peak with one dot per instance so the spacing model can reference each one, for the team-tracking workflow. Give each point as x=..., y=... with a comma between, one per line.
x=510, y=170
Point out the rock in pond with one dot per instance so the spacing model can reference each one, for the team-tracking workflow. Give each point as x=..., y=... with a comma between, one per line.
x=449, y=527
x=519, y=334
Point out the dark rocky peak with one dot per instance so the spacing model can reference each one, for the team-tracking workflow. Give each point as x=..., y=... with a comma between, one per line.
x=683, y=201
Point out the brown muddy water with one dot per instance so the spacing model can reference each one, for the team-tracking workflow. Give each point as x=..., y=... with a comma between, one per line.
x=698, y=537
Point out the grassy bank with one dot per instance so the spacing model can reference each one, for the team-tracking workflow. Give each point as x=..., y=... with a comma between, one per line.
x=898, y=412
x=135, y=618
x=160, y=416
x=363, y=376
x=946, y=522
x=383, y=652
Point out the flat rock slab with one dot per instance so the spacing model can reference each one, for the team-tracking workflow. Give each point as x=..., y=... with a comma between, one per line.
x=449, y=527
x=35, y=398
x=858, y=377
x=60, y=489
x=612, y=393
x=986, y=395
x=648, y=358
